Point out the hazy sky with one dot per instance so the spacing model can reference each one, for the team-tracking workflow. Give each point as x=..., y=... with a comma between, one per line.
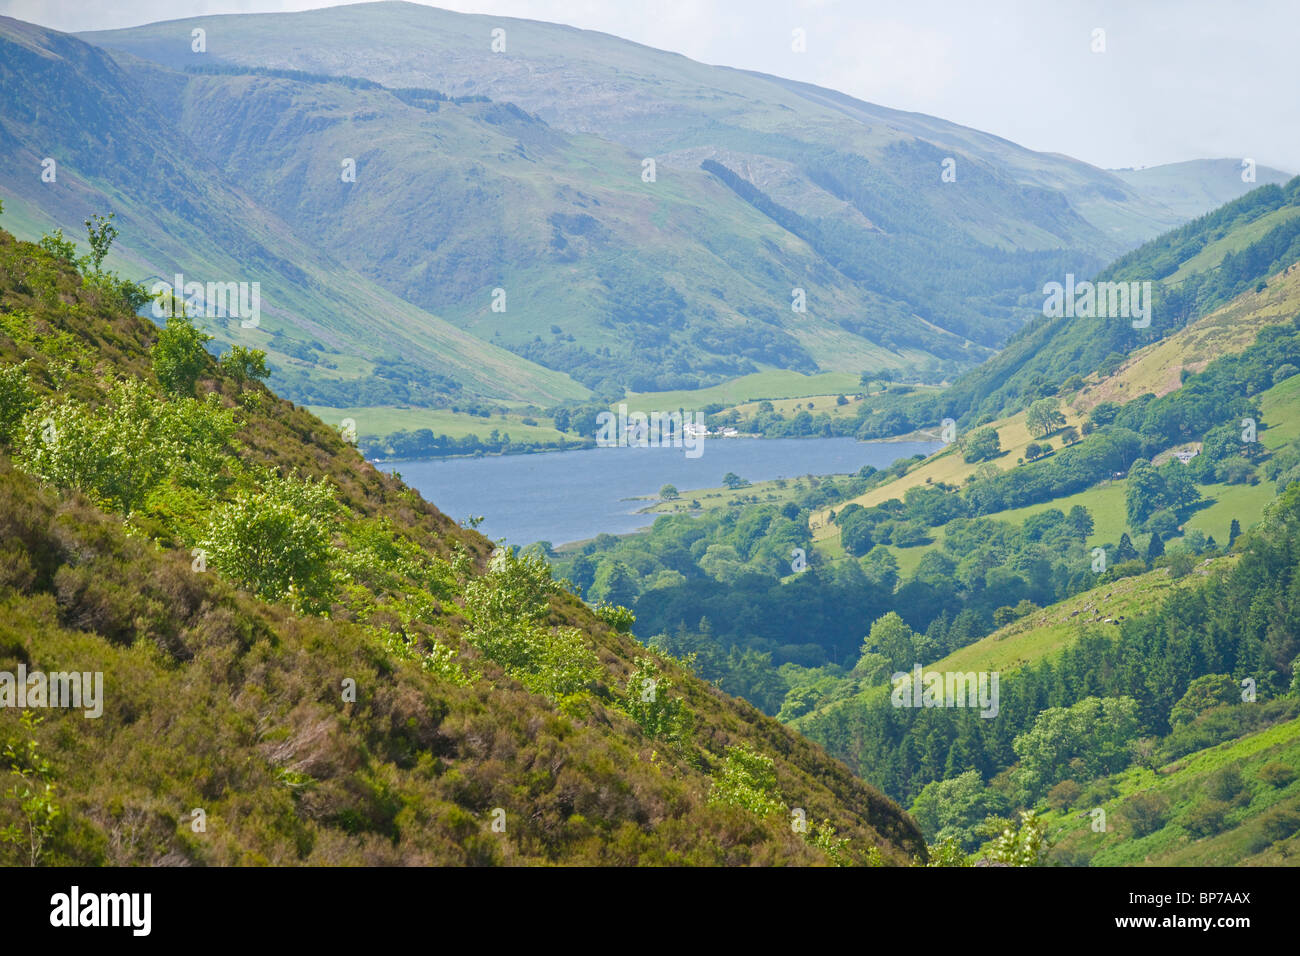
x=1177, y=80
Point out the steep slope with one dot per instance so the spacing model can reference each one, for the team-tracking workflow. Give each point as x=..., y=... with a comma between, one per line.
x=372, y=690
x=68, y=101
x=746, y=178
x=1193, y=270
x=679, y=279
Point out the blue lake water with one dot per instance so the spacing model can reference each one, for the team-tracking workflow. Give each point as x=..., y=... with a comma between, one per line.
x=574, y=495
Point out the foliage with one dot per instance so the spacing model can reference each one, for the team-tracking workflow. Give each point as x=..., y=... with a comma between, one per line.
x=243, y=364
x=648, y=701
x=1020, y=845
x=508, y=606
x=747, y=780
x=981, y=445
x=34, y=790
x=277, y=541
x=179, y=356
x=119, y=451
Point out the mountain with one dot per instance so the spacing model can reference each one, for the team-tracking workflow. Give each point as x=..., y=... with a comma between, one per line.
x=1191, y=188
x=69, y=101
x=522, y=171
x=377, y=687
x=1193, y=269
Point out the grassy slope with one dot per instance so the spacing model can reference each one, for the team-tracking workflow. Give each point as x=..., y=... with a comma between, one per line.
x=1046, y=632
x=771, y=385
x=218, y=700
x=1154, y=369
x=1183, y=783
x=377, y=421
x=181, y=216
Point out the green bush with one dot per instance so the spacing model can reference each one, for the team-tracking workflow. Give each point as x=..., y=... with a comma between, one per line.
x=1276, y=774
x=508, y=606
x=277, y=542
x=747, y=780
x=179, y=356
x=1146, y=812
x=118, y=452
x=647, y=701
x=1206, y=818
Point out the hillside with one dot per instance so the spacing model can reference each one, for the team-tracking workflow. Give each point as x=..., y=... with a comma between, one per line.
x=1190, y=188
x=379, y=687
x=522, y=171
x=182, y=216
x=1194, y=270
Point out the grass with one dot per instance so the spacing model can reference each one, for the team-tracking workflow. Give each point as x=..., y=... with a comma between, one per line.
x=378, y=421
x=1280, y=406
x=776, y=491
x=770, y=385
x=1045, y=633
x=1182, y=783
x=1158, y=367
x=1237, y=239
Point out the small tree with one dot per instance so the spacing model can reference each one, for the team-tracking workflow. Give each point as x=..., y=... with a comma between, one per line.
x=648, y=702
x=179, y=356
x=1155, y=548
x=669, y=493
x=101, y=233
x=1080, y=521
x=1146, y=812
x=243, y=364
x=1022, y=845
x=1044, y=417
x=980, y=445
x=277, y=542
x=34, y=792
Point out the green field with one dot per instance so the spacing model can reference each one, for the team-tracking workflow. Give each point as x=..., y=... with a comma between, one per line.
x=1045, y=633
x=1235, y=241
x=376, y=422
x=772, y=385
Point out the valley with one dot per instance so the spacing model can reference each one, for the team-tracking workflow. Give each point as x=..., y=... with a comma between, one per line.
x=385, y=575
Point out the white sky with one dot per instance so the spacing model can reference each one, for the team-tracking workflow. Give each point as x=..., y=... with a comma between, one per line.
x=1178, y=80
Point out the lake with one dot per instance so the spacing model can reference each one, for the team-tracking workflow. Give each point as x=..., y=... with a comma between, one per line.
x=574, y=495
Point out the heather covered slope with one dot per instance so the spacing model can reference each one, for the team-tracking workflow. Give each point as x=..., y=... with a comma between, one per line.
x=480, y=686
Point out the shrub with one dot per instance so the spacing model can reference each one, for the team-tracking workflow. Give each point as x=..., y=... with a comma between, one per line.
x=118, y=452
x=179, y=356
x=1064, y=795
x=277, y=542
x=1276, y=774
x=1206, y=818
x=648, y=702
x=1224, y=784
x=15, y=399
x=1146, y=812
x=747, y=780
x=507, y=607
